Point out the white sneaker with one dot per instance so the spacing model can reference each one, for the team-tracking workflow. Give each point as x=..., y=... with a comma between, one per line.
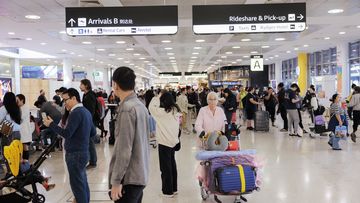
x=167, y=196
x=175, y=193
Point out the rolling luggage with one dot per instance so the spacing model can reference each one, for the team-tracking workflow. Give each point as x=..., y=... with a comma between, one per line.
x=239, y=178
x=112, y=132
x=261, y=122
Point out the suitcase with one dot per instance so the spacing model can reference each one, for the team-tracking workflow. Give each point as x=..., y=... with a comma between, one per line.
x=112, y=132
x=261, y=122
x=233, y=146
x=239, y=178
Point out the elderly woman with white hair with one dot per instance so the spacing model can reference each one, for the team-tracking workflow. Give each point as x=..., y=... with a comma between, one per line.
x=211, y=117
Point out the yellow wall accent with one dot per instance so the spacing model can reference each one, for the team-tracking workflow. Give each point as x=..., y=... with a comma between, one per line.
x=302, y=79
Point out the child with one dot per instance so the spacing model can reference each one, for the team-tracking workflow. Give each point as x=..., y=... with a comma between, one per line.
x=338, y=117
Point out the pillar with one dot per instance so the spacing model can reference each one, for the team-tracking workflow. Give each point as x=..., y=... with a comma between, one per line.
x=90, y=74
x=68, y=74
x=343, y=72
x=15, y=70
x=278, y=71
x=302, y=79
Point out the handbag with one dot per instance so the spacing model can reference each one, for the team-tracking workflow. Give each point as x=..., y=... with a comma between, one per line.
x=340, y=131
x=6, y=128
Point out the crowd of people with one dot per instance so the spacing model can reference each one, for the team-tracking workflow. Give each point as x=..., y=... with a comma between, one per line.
x=178, y=112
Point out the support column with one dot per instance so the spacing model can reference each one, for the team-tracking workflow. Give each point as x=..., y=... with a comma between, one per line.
x=343, y=72
x=302, y=79
x=278, y=71
x=90, y=75
x=67, y=71
x=15, y=70
x=106, y=86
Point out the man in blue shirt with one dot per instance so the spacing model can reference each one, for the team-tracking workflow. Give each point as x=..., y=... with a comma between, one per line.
x=79, y=128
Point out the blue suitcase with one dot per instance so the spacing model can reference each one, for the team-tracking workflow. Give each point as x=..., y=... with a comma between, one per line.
x=238, y=179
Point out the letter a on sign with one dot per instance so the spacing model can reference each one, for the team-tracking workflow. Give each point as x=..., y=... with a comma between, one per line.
x=257, y=63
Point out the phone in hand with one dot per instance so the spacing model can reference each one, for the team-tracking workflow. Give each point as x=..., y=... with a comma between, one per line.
x=43, y=115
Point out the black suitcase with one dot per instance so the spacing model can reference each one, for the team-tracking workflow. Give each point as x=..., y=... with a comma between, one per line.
x=261, y=122
x=112, y=132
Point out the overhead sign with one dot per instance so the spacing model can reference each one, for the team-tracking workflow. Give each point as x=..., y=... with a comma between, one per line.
x=170, y=74
x=249, y=18
x=257, y=63
x=196, y=74
x=142, y=20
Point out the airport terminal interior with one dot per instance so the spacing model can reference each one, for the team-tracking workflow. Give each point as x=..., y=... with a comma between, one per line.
x=283, y=74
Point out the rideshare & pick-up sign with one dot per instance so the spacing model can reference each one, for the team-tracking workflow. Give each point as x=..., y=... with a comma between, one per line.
x=142, y=20
x=249, y=18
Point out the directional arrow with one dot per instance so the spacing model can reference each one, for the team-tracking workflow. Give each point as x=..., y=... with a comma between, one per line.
x=301, y=17
x=72, y=21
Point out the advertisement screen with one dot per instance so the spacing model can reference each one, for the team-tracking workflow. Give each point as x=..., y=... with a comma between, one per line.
x=40, y=72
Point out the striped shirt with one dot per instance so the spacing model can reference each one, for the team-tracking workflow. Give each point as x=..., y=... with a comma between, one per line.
x=335, y=109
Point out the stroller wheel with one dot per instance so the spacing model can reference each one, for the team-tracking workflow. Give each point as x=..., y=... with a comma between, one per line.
x=39, y=199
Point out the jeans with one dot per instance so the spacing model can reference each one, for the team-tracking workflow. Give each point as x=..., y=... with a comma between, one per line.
x=334, y=141
x=356, y=119
x=76, y=164
x=92, y=151
x=168, y=169
x=131, y=194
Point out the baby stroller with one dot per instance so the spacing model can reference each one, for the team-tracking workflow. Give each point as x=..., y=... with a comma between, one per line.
x=15, y=182
x=319, y=126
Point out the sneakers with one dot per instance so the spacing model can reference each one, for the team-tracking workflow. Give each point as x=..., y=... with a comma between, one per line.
x=90, y=166
x=175, y=193
x=283, y=130
x=167, y=196
x=353, y=137
x=298, y=135
x=249, y=128
x=336, y=148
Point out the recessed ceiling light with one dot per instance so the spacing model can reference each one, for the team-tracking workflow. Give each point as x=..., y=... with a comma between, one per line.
x=288, y=52
x=112, y=54
x=168, y=48
x=245, y=40
x=120, y=42
x=254, y=52
x=276, y=55
x=32, y=17
x=80, y=55
x=236, y=47
x=100, y=49
x=166, y=41
x=296, y=48
x=233, y=62
x=194, y=57
x=129, y=49
x=170, y=54
x=191, y=63
x=172, y=60
x=271, y=57
x=358, y=26
x=43, y=43
x=126, y=61
x=342, y=33
x=229, y=52
x=265, y=47
x=223, y=57
x=197, y=48
x=86, y=42
x=146, y=61
x=219, y=60
x=246, y=56
x=11, y=33
x=266, y=59
x=306, y=45
x=238, y=59
x=200, y=40
x=62, y=32
x=63, y=50
x=142, y=58
x=192, y=60
x=280, y=39
x=120, y=58
x=195, y=53
x=326, y=38
x=335, y=11
x=136, y=54
x=91, y=59
x=7, y=71
x=28, y=39
x=171, y=57
x=72, y=53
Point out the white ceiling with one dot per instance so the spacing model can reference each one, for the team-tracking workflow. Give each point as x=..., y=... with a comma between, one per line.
x=150, y=51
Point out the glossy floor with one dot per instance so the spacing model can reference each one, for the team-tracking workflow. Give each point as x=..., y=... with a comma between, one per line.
x=296, y=170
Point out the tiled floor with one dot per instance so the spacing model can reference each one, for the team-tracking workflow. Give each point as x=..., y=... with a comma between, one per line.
x=296, y=170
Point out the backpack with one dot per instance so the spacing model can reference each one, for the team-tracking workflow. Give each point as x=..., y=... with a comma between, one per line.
x=99, y=111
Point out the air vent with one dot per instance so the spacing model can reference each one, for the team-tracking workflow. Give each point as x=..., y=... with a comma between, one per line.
x=15, y=39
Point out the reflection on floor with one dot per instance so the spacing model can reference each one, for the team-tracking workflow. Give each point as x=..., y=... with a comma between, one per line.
x=297, y=170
